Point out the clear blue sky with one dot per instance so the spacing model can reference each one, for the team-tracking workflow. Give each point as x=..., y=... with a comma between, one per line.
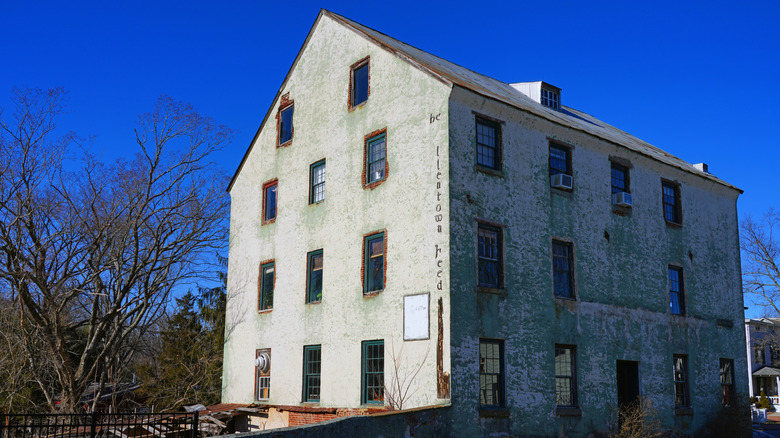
x=699, y=79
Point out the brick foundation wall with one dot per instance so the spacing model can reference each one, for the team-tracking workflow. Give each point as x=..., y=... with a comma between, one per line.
x=299, y=416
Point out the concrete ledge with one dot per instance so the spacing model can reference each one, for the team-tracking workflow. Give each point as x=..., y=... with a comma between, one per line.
x=490, y=171
x=568, y=412
x=725, y=323
x=683, y=411
x=494, y=413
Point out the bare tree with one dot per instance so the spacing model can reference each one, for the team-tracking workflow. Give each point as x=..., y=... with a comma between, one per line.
x=761, y=259
x=91, y=252
x=638, y=420
x=19, y=370
x=398, y=386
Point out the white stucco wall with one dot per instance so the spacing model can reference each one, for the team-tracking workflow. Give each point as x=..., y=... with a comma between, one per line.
x=402, y=99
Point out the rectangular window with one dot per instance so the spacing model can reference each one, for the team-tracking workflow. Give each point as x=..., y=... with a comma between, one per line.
x=727, y=381
x=491, y=373
x=619, y=179
x=263, y=374
x=550, y=99
x=317, y=182
x=374, y=262
x=489, y=248
x=759, y=353
x=373, y=382
x=681, y=397
x=671, y=199
x=563, y=272
x=314, y=280
x=560, y=160
x=376, y=158
x=267, y=280
x=488, y=144
x=565, y=376
x=676, y=291
x=269, y=201
x=358, y=83
x=312, y=360
x=285, y=125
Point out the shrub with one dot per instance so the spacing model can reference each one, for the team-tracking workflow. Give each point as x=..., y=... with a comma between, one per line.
x=638, y=420
x=763, y=402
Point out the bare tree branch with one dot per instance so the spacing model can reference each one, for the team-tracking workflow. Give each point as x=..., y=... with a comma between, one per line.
x=398, y=385
x=94, y=251
x=760, y=261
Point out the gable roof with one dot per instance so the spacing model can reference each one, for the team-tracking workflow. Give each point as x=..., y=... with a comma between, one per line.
x=455, y=75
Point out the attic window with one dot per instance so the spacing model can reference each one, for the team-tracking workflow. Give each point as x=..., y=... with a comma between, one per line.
x=551, y=98
x=358, y=83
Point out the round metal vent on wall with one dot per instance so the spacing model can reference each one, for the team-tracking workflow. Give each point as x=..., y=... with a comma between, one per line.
x=263, y=362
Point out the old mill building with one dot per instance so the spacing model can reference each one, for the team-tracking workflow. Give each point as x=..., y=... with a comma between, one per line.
x=539, y=266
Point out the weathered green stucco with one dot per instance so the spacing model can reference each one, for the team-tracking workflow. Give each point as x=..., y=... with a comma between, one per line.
x=621, y=310
x=429, y=207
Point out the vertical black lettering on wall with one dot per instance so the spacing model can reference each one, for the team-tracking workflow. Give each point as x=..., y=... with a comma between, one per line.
x=442, y=377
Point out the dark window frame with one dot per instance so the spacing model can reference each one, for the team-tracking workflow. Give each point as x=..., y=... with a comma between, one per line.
x=311, y=292
x=265, y=211
x=368, y=141
x=682, y=398
x=499, y=390
x=497, y=148
x=261, y=283
x=353, y=69
x=727, y=382
x=314, y=185
x=499, y=261
x=759, y=354
x=281, y=142
x=626, y=178
x=567, y=151
x=285, y=104
x=571, y=283
x=571, y=378
x=672, y=211
x=676, y=289
x=371, y=392
x=552, y=99
x=367, y=239
x=312, y=373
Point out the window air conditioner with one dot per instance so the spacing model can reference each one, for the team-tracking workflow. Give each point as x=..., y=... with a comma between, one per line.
x=561, y=181
x=622, y=199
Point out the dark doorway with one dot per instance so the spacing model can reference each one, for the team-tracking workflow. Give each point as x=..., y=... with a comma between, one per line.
x=627, y=382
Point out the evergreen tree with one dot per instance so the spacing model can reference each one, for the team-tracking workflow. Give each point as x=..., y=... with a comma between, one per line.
x=188, y=369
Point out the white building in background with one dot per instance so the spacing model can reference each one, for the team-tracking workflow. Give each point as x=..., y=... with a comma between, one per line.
x=763, y=357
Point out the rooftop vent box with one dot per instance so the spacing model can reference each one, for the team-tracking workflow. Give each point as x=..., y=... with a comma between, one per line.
x=541, y=92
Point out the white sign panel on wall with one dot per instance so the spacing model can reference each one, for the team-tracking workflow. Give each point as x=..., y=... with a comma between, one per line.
x=416, y=317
